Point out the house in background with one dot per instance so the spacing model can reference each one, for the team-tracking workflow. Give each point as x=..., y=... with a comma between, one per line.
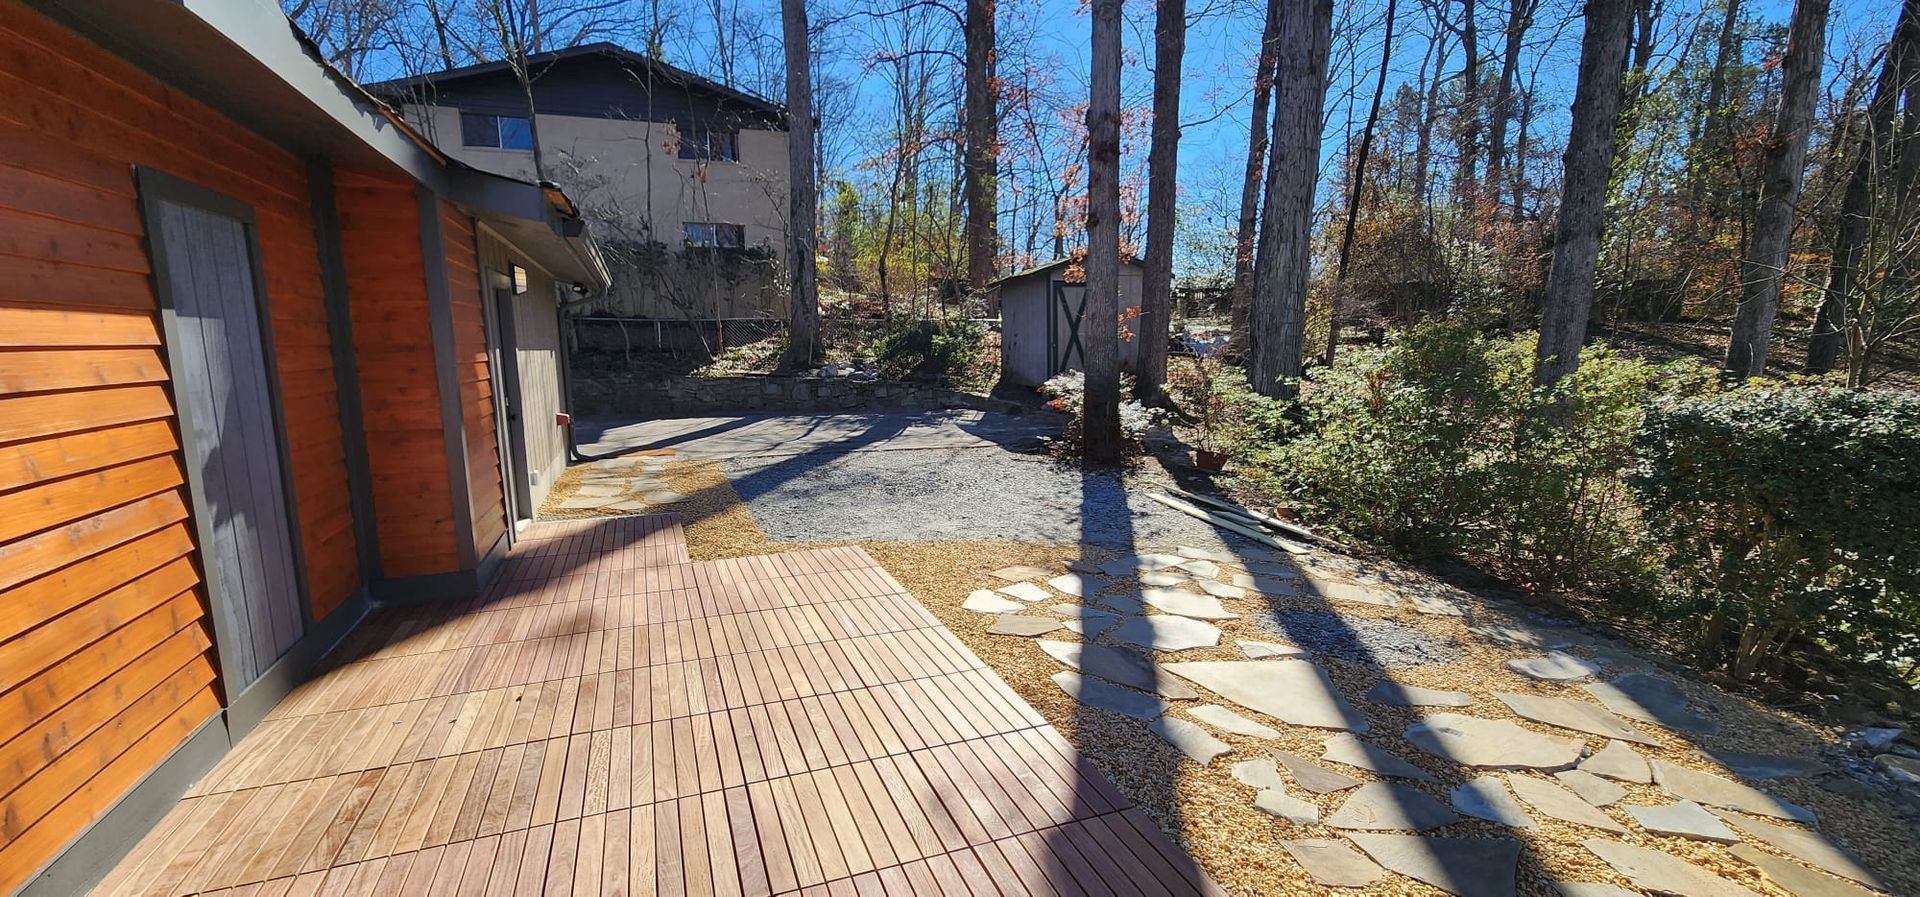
x=684, y=180
x=1043, y=313
x=266, y=356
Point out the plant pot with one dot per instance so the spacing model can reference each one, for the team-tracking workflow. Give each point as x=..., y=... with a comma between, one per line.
x=1212, y=462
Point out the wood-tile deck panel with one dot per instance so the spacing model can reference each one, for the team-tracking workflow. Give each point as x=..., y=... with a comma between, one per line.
x=612, y=718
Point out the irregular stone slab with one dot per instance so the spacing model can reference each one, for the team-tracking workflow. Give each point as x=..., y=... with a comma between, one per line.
x=1905, y=770
x=1768, y=766
x=1129, y=603
x=1492, y=744
x=1517, y=636
x=1348, y=749
x=1335, y=590
x=1195, y=742
x=663, y=497
x=1559, y=803
x=1025, y=591
x=1591, y=889
x=1107, y=696
x=1435, y=605
x=1620, y=762
x=981, y=601
x=1294, y=691
x=1165, y=633
x=1312, y=776
x=1333, y=863
x=1202, y=554
x=1554, y=666
x=1188, y=604
x=1486, y=798
x=586, y=503
x=1258, y=650
x=1220, y=589
x=1079, y=585
x=1202, y=568
x=1385, y=806
x=1228, y=721
x=1162, y=579
x=1794, y=878
x=1275, y=802
x=1392, y=693
x=1650, y=699
x=1017, y=624
x=1567, y=713
x=1810, y=847
x=1470, y=867
x=1683, y=819
x=1269, y=568
x=1115, y=665
x=1662, y=873
x=1261, y=774
x=629, y=504
x=1140, y=563
x=1020, y=573
x=1266, y=585
x=1591, y=788
x=1715, y=791
x=599, y=490
x=1091, y=627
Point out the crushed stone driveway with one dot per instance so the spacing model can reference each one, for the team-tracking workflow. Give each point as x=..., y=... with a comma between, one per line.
x=721, y=438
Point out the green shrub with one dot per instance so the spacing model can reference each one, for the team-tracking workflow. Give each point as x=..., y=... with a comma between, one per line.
x=929, y=350
x=1220, y=409
x=1788, y=516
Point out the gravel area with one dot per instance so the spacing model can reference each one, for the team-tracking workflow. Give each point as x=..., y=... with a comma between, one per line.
x=1378, y=642
x=954, y=494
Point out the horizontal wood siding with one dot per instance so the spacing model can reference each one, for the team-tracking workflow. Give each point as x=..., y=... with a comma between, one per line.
x=393, y=348
x=474, y=375
x=106, y=661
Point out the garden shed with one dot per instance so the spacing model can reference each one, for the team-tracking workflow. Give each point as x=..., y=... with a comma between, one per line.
x=1042, y=316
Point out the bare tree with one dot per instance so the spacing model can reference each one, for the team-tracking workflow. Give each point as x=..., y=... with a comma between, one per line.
x=1781, y=171
x=1156, y=301
x=1714, y=132
x=1100, y=421
x=1282, y=269
x=1519, y=18
x=803, y=297
x=1244, y=236
x=982, y=120
x=1359, y=184
x=1583, y=190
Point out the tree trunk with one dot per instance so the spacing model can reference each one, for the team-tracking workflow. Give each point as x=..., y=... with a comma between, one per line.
x=1714, y=133
x=1243, y=245
x=803, y=298
x=1282, y=270
x=1467, y=117
x=1359, y=185
x=1781, y=172
x=1856, y=204
x=982, y=147
x=1519, y=16
x=1583, y=196
x=1101, y=419
x=1156, y=300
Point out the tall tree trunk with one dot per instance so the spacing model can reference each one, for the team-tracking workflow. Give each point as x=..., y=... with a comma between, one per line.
x=982, y=147
x=1244, y=236
x=1359, y=185
x=1781, y=171
x=1101, y=420
x=1875, y=150
x=1519, y=16
x=1282, y=270
x=1714, y=132
x=1467, y=118
x=1583, y=192
x=803, y=328
x=1156, y=300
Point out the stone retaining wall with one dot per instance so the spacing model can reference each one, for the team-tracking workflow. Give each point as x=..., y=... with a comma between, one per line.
x=612, y=393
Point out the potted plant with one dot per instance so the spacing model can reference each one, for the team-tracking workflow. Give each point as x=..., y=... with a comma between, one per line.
x=1207, y=400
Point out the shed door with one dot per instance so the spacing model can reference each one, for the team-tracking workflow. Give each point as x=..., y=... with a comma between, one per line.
x=1066, y=313
x=205, y=263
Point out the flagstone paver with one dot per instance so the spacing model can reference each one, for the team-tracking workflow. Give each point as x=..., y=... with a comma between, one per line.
x=1392, y=693
x=1295, y=691
x=1259, y=650
x=1334, y=863
x=1129, y=668
x=1809, y=846
x=1312, y=776
x=1579, y=716
x=1228, y=721
x=1718, y=791
x=1591, y=788
x=1079, y=585
x=1661, y=872
x=1020, y=624
x=1487, y=798
x=1220, y=589
x=1683, y=819
x=611, y=717
x=982, y=601
x=1190, y=739
x=1591, y=889
x=1187, y=604
x=1552, y=800
x=1650, y=699
x=1554, y=666
x=1388, y=806
x=1620, y=762
x=1020, y=573
x=1492, y=744
x=1469, y=867
x=1262, y=775
x=1025, y=591
x=1108, y=696
x=1349, y=749
x=1796, y=879
x=1165, y=633
x=1275, y=802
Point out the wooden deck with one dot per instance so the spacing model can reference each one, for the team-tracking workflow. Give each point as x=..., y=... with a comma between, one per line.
x=613, y=719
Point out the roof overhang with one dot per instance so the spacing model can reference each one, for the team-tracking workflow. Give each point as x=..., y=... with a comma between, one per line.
x=538, y=220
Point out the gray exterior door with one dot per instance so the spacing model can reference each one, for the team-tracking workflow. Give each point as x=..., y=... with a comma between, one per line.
x=1066, y=311
x=207, y=271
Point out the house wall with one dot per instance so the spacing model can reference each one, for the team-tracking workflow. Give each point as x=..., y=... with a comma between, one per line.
x=628, y=179
x=487, y=510
x=106, y=663
x=536, y=328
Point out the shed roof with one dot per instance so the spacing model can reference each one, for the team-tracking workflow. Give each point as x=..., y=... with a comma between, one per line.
x=1048, y=267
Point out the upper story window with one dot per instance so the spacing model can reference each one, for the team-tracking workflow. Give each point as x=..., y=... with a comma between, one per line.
x=503, y=131
x=705, y=143
x=715, y=236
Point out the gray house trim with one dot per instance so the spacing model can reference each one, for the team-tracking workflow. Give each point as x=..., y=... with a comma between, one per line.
x=433, y=253
x=346, y=370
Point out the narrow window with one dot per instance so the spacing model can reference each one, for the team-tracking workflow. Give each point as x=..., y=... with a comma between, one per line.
x=502, y=131
x=712, y=235
x=709, y=144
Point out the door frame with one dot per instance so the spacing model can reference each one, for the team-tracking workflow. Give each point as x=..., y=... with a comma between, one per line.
x=509, y=406
x=248, y=704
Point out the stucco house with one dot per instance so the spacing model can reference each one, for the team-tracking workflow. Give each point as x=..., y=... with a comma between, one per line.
x=684, y=179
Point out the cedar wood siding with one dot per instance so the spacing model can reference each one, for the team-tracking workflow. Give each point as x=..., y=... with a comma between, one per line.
x=105, y=651
x=399, y=395
x=474, y=375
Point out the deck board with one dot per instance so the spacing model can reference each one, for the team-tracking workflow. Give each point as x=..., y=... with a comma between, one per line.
x=613, y=718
